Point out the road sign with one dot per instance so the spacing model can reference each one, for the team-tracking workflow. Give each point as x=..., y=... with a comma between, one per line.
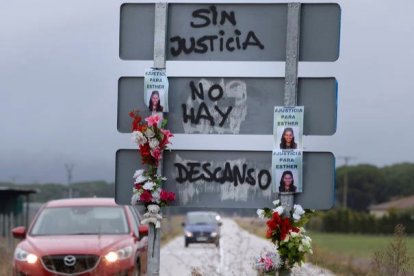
x=228, y=179
x=218, y=105
x=233, y=105
x=243, y=32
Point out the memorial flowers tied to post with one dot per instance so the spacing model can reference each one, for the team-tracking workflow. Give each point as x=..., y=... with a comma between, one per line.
x=152, y=139
x=286, y=231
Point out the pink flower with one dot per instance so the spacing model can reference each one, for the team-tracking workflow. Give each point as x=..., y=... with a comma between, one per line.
x=156, y=153
x=268, y=263
x=167, y=133
x=153, y=120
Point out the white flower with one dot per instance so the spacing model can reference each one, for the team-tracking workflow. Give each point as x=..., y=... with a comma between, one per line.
x=149, y=185
x=306, y=243
x=156, y=195
x=138, y=173
x=301, y=249
x=276, y=202
x=297, y=212
x=279, y=210
x=153, y=143
x=294, y=234
x=260, y=213
x=138, y=137
x=149, y=133
x=139, y=177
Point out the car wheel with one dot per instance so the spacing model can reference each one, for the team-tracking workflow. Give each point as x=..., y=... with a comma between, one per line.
x=217, y=243
x=186, y=243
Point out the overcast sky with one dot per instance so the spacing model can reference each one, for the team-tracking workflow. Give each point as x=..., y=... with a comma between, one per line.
x=60, y=65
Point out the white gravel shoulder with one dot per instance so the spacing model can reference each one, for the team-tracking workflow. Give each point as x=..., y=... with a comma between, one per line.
x=235, y=256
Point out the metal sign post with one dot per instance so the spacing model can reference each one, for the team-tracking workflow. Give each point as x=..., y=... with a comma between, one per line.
x=154, y=234
x=291, y=75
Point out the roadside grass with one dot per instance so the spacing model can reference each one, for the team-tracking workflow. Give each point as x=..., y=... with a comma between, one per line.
x=343, y=254
x=171, y=227
x=6, y=255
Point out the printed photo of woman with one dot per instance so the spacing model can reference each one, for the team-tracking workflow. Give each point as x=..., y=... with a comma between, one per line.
x=287, y=183
x=287, y=140
x=154, y=104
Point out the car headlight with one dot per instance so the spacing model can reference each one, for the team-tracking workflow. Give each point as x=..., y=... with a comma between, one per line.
x=120, y=254
x=213, y=234
x=188, y=234
x=24, y=256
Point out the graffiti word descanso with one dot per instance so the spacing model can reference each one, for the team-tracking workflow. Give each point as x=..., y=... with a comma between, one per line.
x=220, y=41
x=195, y=171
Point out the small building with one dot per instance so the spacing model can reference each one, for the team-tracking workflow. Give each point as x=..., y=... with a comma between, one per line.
x=14, y=211
x=398, y=205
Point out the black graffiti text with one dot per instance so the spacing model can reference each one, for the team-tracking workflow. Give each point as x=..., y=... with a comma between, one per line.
x=193, y=172
x=203, y=112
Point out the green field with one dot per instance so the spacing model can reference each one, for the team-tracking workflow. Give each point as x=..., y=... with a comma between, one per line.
x=355, y=245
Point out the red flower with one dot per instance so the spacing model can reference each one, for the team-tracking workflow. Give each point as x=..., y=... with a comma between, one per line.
x=271, y=224
x=138, y=186
x=295, y=229
x=171, y=196
x=276, y=217
x=284, y=229
x=136, y=120
x=145, y=150
x=269, y=233
x=146, y=197
x=167, y=196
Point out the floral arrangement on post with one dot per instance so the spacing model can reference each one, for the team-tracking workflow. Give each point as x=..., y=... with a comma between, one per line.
x=152, y=139
x=287, y=233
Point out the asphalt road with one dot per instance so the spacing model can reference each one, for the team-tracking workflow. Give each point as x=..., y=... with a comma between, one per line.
x=234, y=257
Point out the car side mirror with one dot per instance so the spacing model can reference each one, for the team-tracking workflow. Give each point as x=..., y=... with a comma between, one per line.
x=19, y=232
x=220, y=223
x=143, y=230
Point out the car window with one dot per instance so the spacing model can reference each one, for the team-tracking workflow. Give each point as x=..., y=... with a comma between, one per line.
x=135, y=221
x=200, y=218
x=81, y=220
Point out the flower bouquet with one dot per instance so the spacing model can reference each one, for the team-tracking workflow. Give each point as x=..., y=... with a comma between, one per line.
x=152, y=139
x=287, y=233
x=268, y=262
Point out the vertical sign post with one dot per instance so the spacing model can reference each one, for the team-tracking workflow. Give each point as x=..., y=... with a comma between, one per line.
x=291, y=74
x=154, y=235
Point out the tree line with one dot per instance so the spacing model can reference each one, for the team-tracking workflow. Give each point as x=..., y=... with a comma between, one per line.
x=370, y=185
x=50, y=191
x=367, y=185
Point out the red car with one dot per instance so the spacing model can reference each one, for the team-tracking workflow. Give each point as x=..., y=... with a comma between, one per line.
x=85, y=236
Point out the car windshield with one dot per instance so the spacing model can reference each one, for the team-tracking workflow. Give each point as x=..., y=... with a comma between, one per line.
x=81, y=220
x=201, y=218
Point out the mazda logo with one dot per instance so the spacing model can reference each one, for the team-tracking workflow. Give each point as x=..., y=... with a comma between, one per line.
x=69, y=260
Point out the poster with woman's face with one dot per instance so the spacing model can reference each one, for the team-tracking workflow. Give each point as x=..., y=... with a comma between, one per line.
x=288, y=127
x=156, y=90
x=287, y=171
